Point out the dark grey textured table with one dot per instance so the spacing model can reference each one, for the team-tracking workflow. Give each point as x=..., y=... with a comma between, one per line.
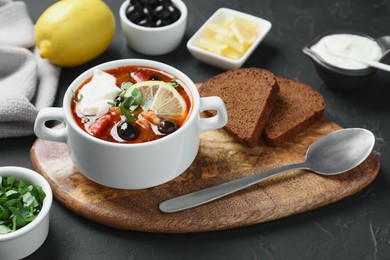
x=354, y=228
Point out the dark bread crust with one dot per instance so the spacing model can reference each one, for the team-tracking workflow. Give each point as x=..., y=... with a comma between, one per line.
x=249, y=94
x=297, y=107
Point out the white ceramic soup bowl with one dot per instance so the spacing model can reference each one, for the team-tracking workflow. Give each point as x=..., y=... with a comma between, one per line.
x=26, y=240
x=132, y=166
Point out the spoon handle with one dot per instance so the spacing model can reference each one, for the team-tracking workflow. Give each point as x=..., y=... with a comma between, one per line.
x=209, y=194
x=374, y=64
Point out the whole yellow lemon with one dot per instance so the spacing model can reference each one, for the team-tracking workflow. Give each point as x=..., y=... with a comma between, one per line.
x=72, y=32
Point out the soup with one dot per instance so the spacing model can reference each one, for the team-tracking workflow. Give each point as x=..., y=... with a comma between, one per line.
x=131, y=104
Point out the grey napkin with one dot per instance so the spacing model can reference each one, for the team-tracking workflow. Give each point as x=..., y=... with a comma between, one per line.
x=27, y=82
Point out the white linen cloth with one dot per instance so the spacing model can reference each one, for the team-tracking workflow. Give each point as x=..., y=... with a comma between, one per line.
x=27, y=82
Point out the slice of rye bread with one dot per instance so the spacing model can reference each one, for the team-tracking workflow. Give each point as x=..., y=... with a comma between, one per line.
x=249, y=95
x=297, y=107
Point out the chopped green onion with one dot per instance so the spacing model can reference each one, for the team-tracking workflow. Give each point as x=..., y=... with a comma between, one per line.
x=174, y=83
x=130, y=104
x=77, y=99
x=126, y=85
x=20, y=203
x=111, y=103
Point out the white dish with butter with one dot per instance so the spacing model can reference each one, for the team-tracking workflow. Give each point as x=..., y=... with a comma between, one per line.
x=231, y=50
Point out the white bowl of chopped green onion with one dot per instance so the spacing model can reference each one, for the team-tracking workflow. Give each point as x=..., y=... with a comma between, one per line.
x=25, y=202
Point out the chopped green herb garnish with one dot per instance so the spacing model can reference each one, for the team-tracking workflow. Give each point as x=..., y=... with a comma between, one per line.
x=137, y=96
x=126, y=85
x=77, y=99
x=20, y=203
x=129, y=116
x=111, y=103
x=130, y=104
x=174, y=83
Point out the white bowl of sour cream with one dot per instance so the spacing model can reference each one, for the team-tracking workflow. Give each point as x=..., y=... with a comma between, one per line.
x=340, y=73
x=344, y=44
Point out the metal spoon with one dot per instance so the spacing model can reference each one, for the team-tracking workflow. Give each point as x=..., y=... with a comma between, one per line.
x=332, y=154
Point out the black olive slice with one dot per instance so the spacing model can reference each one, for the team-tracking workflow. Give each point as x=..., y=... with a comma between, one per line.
x=167, y=127
x=127, y=130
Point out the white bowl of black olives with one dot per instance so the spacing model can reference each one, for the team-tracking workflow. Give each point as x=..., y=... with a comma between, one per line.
x=153, y=27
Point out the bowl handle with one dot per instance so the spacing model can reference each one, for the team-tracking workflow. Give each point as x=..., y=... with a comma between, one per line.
x=51, y=134
x=217, y=121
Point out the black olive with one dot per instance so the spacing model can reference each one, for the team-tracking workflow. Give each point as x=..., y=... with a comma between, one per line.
x=160, y=23
x=166, y=2
x=157, y=23
x=130, y=9
x=144, y=2
x=127, y=130
x=175, y=14
x=158, y=8
x=135, y=3
x=153, y=3
x=162, y=12
x=135, y=14
x=145, y=22
x=167, y=127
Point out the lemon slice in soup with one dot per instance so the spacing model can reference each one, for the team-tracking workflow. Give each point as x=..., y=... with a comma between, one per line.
x=168, y=102
x=148, y=90
x=161, y=97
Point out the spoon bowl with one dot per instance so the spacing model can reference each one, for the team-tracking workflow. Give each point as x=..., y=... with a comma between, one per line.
x=340, y=151
x=332, y=154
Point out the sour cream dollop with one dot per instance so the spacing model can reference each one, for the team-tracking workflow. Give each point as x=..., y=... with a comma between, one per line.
x=347, y=45
x=96, y=95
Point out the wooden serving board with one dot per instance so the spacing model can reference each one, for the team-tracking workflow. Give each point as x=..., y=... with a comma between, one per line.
x=220, y=159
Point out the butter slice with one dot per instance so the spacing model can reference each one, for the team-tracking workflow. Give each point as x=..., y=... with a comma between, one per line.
x=97, y=94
